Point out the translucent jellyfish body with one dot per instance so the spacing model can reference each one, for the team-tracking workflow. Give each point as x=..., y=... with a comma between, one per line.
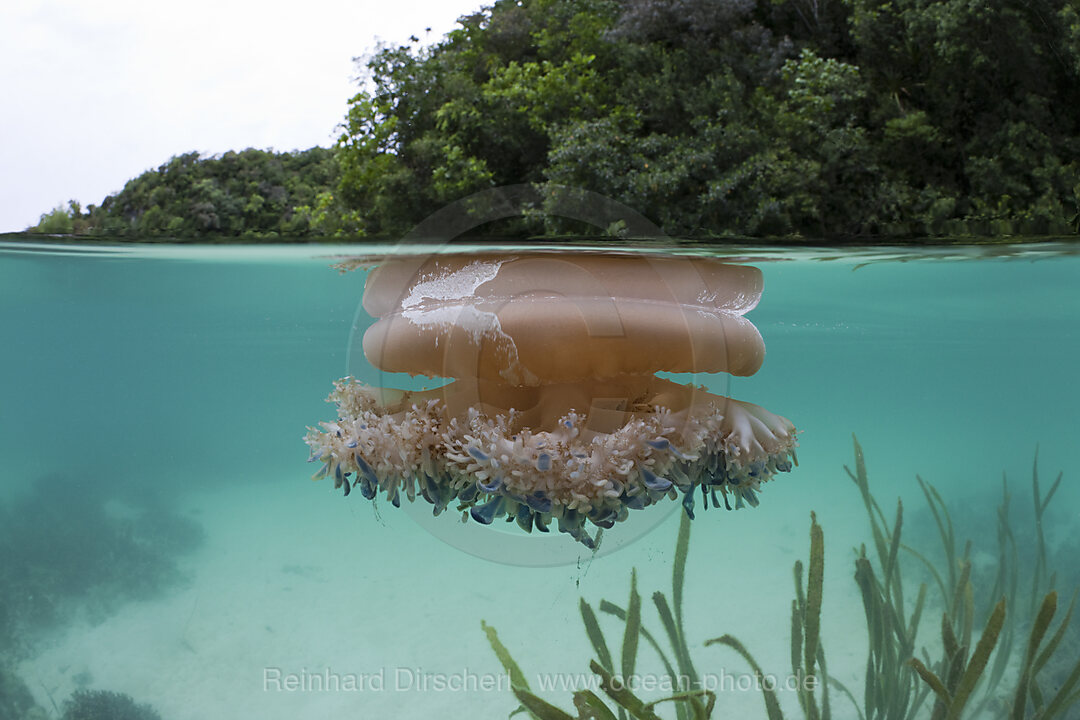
x=555, y=417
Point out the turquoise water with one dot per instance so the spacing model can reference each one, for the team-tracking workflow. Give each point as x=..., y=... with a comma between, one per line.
x=164, y=393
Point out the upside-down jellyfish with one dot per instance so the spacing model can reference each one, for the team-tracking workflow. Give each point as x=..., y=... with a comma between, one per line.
x=555, y=416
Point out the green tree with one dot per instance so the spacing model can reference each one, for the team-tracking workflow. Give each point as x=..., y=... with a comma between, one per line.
x=733, y=116
x=57, y=221
x=251, y=194
x=711, y=117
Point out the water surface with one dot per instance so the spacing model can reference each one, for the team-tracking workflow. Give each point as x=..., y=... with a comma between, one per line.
x=153, y=401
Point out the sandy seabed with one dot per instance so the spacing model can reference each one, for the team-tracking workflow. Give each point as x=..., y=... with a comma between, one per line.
x=305, y=604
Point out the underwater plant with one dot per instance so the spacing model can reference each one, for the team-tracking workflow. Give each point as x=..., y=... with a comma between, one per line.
x=105, y=705
x=691, y=701
x=955, y=685
x=554, y=415
x=77, y=556
x=892, y=690
x=16, y=701
x=807, y=650
x=898, y=682
x=958, y=678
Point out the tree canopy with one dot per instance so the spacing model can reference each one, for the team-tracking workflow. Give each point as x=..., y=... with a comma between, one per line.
x=251, y=194
x=813, y=117
x=818, y=118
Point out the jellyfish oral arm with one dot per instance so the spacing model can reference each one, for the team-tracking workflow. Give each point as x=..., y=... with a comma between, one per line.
x=556, y=469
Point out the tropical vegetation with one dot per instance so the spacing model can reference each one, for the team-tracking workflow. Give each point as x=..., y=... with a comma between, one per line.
x=711, y=117
x=247, y=195
x=906, y=677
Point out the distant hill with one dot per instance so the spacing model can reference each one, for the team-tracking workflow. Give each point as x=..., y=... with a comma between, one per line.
x=251, y=194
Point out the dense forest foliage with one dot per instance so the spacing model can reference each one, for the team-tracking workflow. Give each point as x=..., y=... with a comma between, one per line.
x=252, y=194
x=736, y=116
x=710, y=117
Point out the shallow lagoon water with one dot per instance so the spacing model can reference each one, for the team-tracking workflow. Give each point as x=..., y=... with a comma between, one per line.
x=133, y=376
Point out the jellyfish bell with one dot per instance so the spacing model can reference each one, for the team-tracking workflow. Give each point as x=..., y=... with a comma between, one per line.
x=533, y=320
x=554, y=417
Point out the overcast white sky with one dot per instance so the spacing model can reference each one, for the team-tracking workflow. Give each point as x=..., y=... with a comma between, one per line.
x=92, y=93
